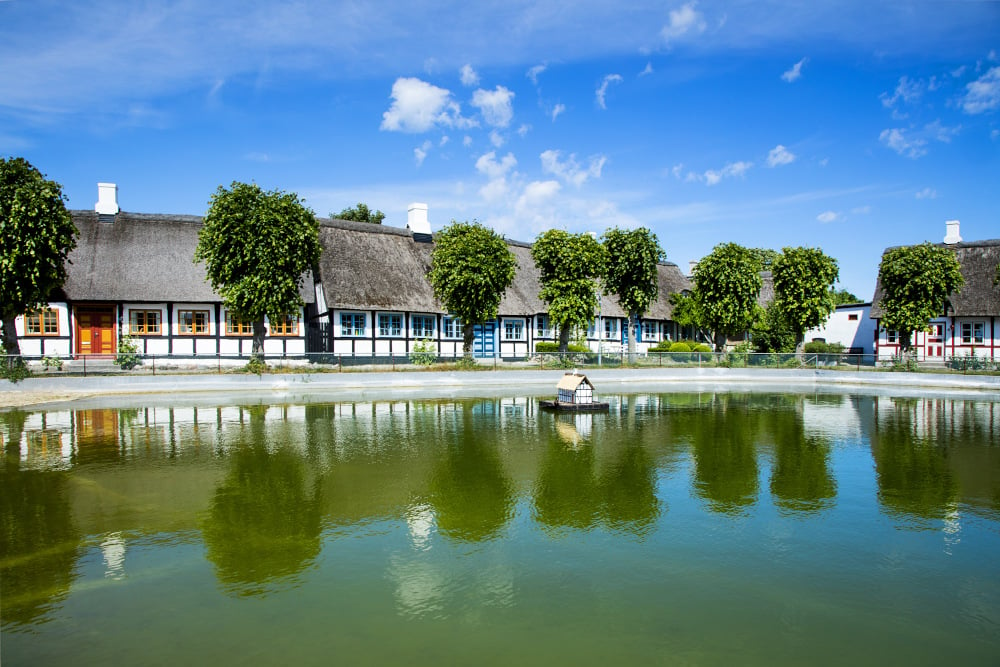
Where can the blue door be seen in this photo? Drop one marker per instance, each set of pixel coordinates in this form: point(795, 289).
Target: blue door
point(484, 341)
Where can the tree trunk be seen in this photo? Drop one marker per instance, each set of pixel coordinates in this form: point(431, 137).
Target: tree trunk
point(720, 342)
point(468, 335)
point(905, 342)
point(633, 327)
point(11, 346)
point(257, 351)
point(564, 332)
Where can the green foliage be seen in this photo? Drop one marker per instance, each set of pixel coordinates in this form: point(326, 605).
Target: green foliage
point(685, 310)
point(822, 347)
point(255, 365)
point(680, 346)
point(424, 352)
point(52, 362)
point(771, 333)
point(128, 353)
point(699, 347)
point(726, 285)
point(361, 213)
point(471, 268)
point(803, 281)
point(257, 247)
point(14, 368)
point(548, 347)
point(842, 297)
point(569, 265)
point(916, 282)
point(630, 273)
point(36, 236)
point(766, 256)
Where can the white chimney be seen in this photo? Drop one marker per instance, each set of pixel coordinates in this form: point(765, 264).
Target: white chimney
point(416, 219)
point(691, 266)
point(107, 199)
point(952, 235)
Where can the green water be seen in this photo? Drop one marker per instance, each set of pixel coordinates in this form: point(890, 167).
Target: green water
point(680, 529)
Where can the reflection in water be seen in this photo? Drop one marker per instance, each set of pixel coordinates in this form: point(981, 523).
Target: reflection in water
point(723, 440)
point(263, 525)
point(628, 489)
point(567, 494)
point(801, 480)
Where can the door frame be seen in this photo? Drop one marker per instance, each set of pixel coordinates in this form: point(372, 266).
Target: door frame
point(107, 308)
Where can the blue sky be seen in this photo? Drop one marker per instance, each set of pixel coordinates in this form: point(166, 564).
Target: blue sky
point(850, 126)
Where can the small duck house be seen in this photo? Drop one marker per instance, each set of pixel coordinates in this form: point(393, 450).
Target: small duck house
point(575, 389)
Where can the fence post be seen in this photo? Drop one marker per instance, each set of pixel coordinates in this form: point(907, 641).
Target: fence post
point(154, 365)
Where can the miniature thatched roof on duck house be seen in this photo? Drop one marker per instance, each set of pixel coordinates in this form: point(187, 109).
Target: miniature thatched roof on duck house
point(979, 296)
point(142, 258)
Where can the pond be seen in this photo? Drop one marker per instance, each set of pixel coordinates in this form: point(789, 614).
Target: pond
point(710, 528)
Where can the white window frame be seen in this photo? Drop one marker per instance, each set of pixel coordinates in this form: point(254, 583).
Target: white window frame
point(650, 330)
point(513, 329)
point(353, 331)
point(543, 327)
point(422, 331)
point(390, 325)
point(611, 331)
point(973, 333)
point(451, 327)
point(891, 336)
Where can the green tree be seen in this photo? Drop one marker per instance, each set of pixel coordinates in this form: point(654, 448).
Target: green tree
point(842, 297)
point(257, 246)
point(915, 283)
point(36, 237)
point(471, 268)
point(361, 213)
point(803, 282)
point(631, 274)
point(766, 256)
point(726, 286)
point(771, 332)
point(569, 265)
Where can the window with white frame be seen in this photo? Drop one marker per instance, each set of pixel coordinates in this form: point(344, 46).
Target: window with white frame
point(452, 327)
point(610, 328)
point(352, 324)
point(650, 330)
point(513, 329)
point(543, 328)
point(973, 333)
point(390, 325)
point(891, 336)
point(422, 326)
point(592, 330)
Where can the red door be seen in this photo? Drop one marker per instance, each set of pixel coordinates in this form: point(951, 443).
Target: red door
point(95, 331)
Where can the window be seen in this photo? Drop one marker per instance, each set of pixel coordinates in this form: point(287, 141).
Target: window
point(610, 328)
point(390, 325)
point(286, 325)
point(237, 327)
point(423, 326)
point(513, 329)
point(973, 333)
point(352, 324)
point(650, 330)
point(44, 322)
point(891, 336)
point(853, 317)
point(143, 322)
point(452, 327)
point(543, 328)
point(193, 322)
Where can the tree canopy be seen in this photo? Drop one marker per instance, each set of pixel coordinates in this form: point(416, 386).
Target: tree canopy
point(771, 332)
point(361, 213)
point(471, 268)
point(630, 273)
point(257, 247)
point(569, 265)
point(842, 297)
point(36, 237)
point(915, 282)
point(803, 284)
point(727, 283)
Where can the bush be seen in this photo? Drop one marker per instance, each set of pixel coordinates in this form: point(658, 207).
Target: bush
point(549, 347)
point(52, 362)
point(680, 346)
point(822, 347)
point(128, 353)
point(424, 353)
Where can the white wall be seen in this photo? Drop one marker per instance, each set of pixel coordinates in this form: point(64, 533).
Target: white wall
point(840, 328)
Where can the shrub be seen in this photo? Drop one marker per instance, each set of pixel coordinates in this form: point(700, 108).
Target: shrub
point(822, 347)
point(424, 353)
point(680, 346)
point(548, 347)
point(52, 362)
point(700, 347)
point(128, 353)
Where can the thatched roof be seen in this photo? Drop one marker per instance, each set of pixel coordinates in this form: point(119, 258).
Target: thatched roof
point(366, 267)
point(979, 296)
point(766, 295)
point(141, 257)
point(570, 381)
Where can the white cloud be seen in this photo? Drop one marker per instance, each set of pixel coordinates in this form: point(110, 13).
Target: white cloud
point(469, 76)
point(445, 139)
point(570, 170)
point(257, 157)
point(731, 170)
point(794, 73)
point(983, 94)
point(906, 90)
point(556, 110)
point(534, 72)
point(677, 170)
point(417, 106)
point(682, 21)
point(466, 141)
point(494, 190)
point(523, 130)
point(537, 193)
point(489, 165)
point(647, 70)
point(602, 90)
point(420, 153)
point(497, 139)
point(926, 193)
point(896, 140)
point(828, 216)
point(495, 105)
point(779, 155)
point(861, 210)
point(941, 132)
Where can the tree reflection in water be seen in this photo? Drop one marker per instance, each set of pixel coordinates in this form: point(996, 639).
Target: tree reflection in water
point(263, 526)
point(628, 491)
point(567, 494)
point(39, 543)
point(725, 456)
point(801, 480)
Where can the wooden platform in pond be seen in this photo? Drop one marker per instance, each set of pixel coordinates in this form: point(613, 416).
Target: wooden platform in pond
point(558, 406)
